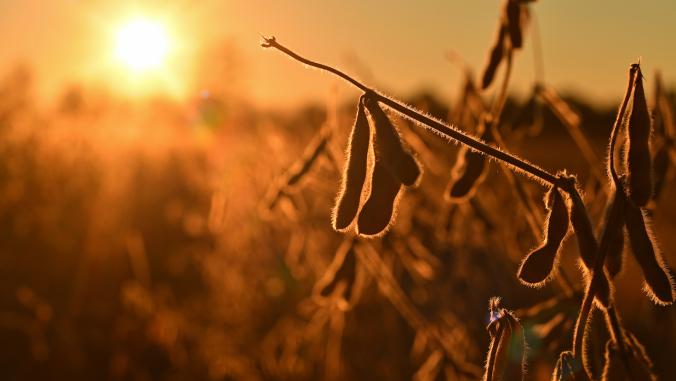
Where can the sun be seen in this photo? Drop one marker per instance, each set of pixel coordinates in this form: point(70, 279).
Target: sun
point(142, 44)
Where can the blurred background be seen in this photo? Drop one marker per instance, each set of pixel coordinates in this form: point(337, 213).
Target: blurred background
point(152, 226)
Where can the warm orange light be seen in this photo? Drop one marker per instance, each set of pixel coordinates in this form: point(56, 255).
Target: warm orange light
point(142, 45)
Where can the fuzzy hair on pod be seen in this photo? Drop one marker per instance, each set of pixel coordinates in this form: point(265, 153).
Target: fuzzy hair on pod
point(658, 280)
point(379, 209)
point(639, 162)
point(586, 242)
point(354, 175)
point(494, 58)
point(389, 146)
point(507, 340)
point(568, 368)
point(537, 267)
point(498, 351)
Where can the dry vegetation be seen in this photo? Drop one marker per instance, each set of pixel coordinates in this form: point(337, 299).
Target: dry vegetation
point(234, 245)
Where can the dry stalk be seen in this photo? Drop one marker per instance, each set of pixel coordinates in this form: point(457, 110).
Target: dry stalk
point(571, 120)
point(388, 285)
point(449, 132)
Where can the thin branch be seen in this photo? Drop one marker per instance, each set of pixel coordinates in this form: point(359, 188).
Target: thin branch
point(432, 124)
point(388, 285)
point(499, 105)
point(616, 332)
point(518, 189)
point(571, 121)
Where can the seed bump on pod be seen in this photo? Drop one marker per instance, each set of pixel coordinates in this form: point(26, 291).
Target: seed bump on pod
point(639, 162)
point(379, 209)
point(614, 224)
point(583, 231)
point(586, 241)
point(354, 175)
point(389, 147)
point(659, 283)
point(612, 233)
point(537, 267)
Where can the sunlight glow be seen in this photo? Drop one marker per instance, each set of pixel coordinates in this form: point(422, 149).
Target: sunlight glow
point(142, 44)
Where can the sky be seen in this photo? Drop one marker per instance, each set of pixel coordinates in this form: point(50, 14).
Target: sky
point(399, 46)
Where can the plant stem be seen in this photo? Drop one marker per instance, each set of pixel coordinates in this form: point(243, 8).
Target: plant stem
point(617, 195)
point(496, 113)
point(499, 105)
point(616, 331)
point(597, 273)
point(432, 124)
point(518, 188)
